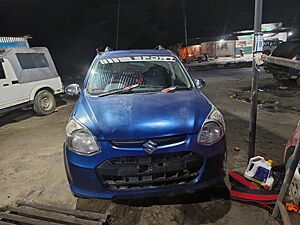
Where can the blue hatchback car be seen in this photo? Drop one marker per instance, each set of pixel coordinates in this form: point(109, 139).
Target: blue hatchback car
point(142, 127)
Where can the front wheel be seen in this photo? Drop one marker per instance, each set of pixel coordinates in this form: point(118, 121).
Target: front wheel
point(44, 103)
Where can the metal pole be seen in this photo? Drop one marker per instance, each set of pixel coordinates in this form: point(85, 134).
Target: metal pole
point(185, 27)
point(118, 24)
point(288, 178)
point(254, 87)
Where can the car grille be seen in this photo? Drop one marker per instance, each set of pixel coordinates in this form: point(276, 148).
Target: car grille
point(142, 172)
point(138, 143)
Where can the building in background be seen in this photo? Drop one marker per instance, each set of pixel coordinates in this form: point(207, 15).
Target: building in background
point(225, 48)
point(234, 45)
point(273, 34)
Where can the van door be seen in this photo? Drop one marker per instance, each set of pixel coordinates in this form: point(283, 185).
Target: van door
point(11, 92)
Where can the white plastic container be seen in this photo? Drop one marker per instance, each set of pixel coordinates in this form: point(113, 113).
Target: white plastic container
point(258, 171)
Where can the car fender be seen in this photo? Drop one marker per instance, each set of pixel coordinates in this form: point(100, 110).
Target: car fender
point(296, 135)
point(292, 141)
point(38, 87)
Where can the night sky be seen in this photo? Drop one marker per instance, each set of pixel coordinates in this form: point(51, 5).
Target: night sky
point(73, 29)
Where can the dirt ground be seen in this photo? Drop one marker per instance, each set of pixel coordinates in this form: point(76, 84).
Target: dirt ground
point(31, 159)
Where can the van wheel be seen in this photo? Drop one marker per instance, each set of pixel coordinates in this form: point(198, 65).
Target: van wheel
point(44, 103)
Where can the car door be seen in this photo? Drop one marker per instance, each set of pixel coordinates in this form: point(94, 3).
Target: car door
point(11, 92)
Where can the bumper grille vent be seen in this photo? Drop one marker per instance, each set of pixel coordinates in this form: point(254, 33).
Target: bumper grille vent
point(142, 172)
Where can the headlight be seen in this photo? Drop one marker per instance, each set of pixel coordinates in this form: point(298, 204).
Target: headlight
point(213, 128)
point(80, 139)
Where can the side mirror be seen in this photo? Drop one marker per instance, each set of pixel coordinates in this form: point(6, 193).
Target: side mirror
point(73, 90)
point(200, 83)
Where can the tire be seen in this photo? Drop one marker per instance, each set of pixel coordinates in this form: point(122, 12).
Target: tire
point(44, 103)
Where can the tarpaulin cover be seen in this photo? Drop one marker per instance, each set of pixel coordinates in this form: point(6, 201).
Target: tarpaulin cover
point(32, 74)
point(244, 191)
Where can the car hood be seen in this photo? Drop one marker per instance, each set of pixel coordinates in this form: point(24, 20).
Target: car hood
point(143, 115)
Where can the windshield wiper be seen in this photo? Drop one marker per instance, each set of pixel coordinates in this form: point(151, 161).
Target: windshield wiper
point(118, 91)
point(169, 89)
point(174, 88)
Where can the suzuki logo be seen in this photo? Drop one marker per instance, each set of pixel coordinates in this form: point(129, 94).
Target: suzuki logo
point(150, 146)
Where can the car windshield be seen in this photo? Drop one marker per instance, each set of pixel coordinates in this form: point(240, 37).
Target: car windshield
point(148, 73)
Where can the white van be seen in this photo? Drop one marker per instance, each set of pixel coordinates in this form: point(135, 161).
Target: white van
point(28, 77)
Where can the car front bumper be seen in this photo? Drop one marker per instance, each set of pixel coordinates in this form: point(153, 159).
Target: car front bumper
point(86, 180)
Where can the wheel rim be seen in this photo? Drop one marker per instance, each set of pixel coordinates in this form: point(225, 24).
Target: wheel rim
point(45, 103)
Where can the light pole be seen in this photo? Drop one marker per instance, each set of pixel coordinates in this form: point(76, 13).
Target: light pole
point(257, 48)
point(185, 27)
point(118, 24)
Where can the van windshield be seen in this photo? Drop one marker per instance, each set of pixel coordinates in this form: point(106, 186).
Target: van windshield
point(149, 73)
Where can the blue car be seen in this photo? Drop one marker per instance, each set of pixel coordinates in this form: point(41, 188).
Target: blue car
point(142, 128)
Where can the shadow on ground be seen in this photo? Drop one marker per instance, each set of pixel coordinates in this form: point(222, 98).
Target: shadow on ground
point(189, 207)
point(20, 114)
point(206, 195)
point(16, 116)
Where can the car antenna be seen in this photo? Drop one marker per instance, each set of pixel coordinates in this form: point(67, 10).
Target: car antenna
point(159, 47)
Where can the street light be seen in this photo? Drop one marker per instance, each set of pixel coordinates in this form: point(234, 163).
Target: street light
point(290, 33)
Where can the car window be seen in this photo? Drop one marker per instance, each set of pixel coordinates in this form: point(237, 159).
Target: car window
point(153, 75)
point(32, 60)
point(2, 74)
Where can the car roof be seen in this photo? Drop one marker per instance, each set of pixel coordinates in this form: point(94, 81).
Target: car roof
point(136, 52)
point(6, 51)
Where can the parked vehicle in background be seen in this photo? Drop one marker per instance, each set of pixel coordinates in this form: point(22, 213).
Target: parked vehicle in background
point(270, 46)
point(291, 144)
point(203, 58)
point(142, 127)
point(288, 50)
point(294, 189)
point(28, 77)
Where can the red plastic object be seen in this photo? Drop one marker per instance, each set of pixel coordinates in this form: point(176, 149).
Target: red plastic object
point(292, 207)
